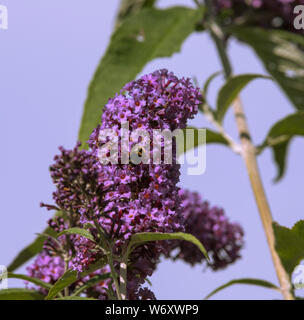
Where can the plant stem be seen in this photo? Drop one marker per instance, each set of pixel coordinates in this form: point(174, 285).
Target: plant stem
point(235, 147)
point(249, 155)
point(107, 248)
point(123, 279)
point(114, 275)
point(66, 267)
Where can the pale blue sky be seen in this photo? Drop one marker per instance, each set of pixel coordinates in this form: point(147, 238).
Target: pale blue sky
point(47, 58)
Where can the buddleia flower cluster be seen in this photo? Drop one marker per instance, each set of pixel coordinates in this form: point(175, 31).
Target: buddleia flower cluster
point(144, 197)
point(263, 13)
point(114, 201)
point(222, 239)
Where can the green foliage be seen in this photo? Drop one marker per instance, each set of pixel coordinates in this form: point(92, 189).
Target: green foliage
point(230, 90)
point(209, 81)
point(128, 7)
point(289, 244)
point(36, 281)
point(282, 55)
point(20, 294)
point(94, 280)
point(280, 136)
point(248, 281)
point(214, 137)
point(30, 251)
point(70, 276)
point(211, 137)
point(141, 37)
point(142, 237)
point(79, 231)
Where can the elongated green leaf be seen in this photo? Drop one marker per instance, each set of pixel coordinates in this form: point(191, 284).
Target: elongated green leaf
point(94, 280)
point(280, 136)
point(230, 90)
point(211, 137)
point(214, 137)
point(282, 55)
point(280, 152)
point(142, 237)
point(20, 294)
point(141, 37)
point(249, 281)
point(208, 82)
point(79, 231)
point(70, 277)
point(30, 251)
point(290, 126)
point(65, 280)
point(289, 244)
point(36, 281)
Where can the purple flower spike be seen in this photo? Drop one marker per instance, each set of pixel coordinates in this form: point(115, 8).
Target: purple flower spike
point(221, 238)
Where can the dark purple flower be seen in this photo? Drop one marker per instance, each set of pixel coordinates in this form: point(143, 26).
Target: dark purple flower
point(144, 294)
point(144, 197)
point(221, 238)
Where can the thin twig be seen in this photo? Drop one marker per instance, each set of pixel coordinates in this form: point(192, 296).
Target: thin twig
point(66, 268)
point(123, 279)
point(235, 147)
point(114, 275)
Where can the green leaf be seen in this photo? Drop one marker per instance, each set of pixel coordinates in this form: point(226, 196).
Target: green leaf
point(30, 251)
point(79, 231)
point(230, 90)
point(214, 137)
point(211, 137)
point(208, 82)
point(280, 157)
point(282, 55)
point(249, 281)
point(142, 37)
point(36, 281)
point(91, 282)
point(142, 237)
point(20, 294)
point(280, 136)
point(128, 7)
point(289, 244)
point(65, 280)
point(290, 126)
point(70, 276)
